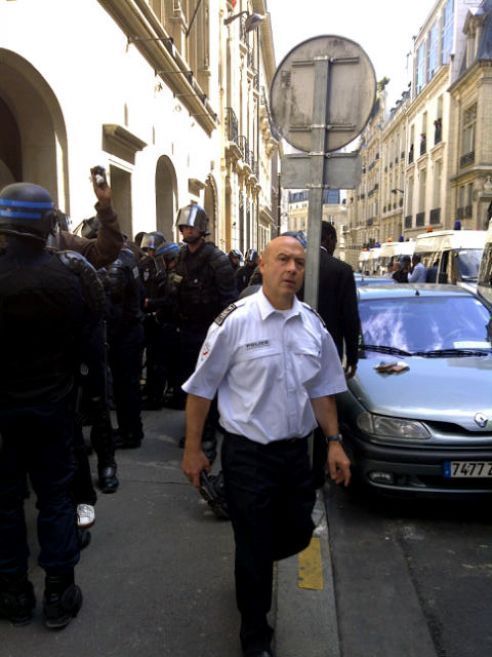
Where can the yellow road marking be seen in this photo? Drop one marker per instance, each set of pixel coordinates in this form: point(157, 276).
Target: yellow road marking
point(310, 567)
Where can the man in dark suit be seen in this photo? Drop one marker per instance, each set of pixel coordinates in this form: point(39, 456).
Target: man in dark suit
point(337, 300)
point(337, 305)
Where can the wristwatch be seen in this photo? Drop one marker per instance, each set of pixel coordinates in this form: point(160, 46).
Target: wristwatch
point(335, 438)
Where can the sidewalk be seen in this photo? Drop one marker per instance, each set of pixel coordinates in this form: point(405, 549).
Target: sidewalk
point(157, 577)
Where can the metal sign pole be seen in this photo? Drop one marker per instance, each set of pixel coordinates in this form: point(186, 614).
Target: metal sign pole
point(318, 165)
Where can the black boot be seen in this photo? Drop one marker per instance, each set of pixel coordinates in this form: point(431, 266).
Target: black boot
point(62, 601)
point(16, 599)
point(107, 479)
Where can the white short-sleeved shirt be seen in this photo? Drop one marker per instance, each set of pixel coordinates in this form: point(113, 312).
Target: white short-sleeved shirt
point(266, 365)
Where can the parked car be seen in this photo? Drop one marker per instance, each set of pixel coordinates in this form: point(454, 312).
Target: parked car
point(417, 418)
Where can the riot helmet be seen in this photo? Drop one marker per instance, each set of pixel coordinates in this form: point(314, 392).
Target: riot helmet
point(148, 242)
point(26, 210)
point(251, 257)
point(88, 228)
point(195, 216)
point(235, 253)
point(168, 251)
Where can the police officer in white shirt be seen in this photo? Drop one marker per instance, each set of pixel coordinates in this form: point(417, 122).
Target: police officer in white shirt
point(276, 371)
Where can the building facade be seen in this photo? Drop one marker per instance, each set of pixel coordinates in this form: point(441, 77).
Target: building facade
point(435, 163)
point(143, 88)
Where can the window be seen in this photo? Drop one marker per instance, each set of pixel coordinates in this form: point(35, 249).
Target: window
point(436, 190)
point(420, 69)
point(447, 31)
point(468, 136)
point(410, 196)
point(433, 51)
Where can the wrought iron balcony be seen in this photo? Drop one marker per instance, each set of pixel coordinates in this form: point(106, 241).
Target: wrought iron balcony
point(243, 145)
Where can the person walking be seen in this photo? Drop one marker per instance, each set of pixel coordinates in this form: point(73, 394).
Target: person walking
point(267, 337)
point(337, 305)
point(47, 312)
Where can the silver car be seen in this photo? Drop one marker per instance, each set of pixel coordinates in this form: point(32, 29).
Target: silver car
point(417, 417)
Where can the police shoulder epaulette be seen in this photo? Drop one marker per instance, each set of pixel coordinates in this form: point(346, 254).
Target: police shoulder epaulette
point(306, 305)
point(220, 319)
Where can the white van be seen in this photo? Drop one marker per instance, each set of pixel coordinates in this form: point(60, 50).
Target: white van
point(485, 274)
point(455, 254)
point(391, 251)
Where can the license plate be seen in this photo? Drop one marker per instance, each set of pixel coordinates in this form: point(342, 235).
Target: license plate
point(467, 469)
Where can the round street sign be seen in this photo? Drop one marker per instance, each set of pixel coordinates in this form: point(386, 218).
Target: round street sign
point(350, 94)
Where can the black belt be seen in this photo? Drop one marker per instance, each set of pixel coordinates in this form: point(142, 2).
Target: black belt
point(281, 442)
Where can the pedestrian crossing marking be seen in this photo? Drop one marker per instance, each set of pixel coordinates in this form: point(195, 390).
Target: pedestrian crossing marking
point(310, 567)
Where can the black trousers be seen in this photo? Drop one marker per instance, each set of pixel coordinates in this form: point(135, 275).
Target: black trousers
point(270, 498)
point(191, 340)
point(38, 441)
point(162, 357)
point(125, 359)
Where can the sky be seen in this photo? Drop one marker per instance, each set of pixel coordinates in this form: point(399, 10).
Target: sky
point(383, 28)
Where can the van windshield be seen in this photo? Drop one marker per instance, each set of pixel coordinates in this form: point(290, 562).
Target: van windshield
point(468, 261)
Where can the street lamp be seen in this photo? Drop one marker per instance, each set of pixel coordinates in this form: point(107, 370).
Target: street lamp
point(252, 20)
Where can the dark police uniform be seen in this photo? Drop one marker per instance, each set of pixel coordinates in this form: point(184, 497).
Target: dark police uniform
point(153, 280)
point(126, 343)
point(45, 316)
point(266, 366)
point(206, 288)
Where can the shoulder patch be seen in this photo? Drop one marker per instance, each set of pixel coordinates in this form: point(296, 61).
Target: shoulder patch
point(306, 305)
point(220, 319)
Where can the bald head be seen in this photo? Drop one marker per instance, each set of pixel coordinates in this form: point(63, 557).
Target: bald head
point(282, 265)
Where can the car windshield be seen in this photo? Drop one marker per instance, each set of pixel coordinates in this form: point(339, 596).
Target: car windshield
point(425, 323)
point(469, 263)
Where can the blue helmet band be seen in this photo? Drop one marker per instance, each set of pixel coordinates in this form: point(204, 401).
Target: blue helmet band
point(35, 205)
point(7, 209)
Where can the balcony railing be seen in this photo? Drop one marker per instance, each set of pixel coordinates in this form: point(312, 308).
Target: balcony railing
point(232, 126)
point(408, 221)
point(435, 216)
point(243, 145)
point(420, 219)
point(467, 159)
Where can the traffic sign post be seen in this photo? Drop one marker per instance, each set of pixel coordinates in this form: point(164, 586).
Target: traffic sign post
point(321, 99)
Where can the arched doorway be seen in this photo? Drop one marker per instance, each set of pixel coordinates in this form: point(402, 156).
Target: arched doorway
point(166, 195)
point(210, 207)
point(33, 140)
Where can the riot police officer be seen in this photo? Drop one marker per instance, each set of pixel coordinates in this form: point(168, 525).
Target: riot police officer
point(47, 311)
point(162, 356)
point(126, 344)
point(206, 288)
point(152, 276)
point(244, 273)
